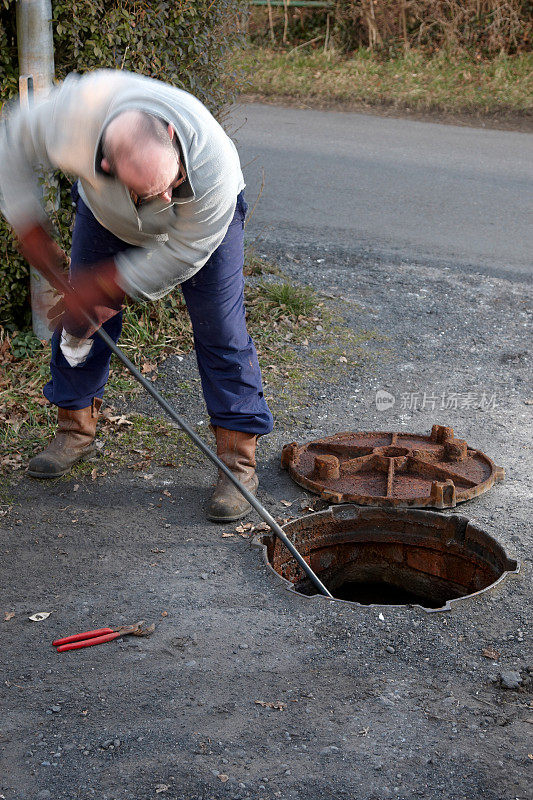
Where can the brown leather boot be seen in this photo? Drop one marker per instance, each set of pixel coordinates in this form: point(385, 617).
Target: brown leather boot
point(74, 441)
point(237, 450)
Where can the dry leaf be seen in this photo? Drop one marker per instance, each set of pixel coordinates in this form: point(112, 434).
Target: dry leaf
point(164, 613)
point(343, 360)
point(262, 526)
point(40, 615)
point(286, 502)
point(244, 526)
point(490, 652)
point(94, 474)
point(12, 461)
point(148, 476)
point(161, 787)
point(223, 778)
point(276, 704)
point(166, 493)
point(8, 615)
point(76, 487)
point(227, 535)
point(115, 419)
point(147, 367)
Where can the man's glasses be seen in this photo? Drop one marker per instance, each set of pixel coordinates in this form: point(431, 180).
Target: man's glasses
point(178, 180)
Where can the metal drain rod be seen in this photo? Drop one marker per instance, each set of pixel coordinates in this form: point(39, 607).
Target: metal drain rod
point(61, 284)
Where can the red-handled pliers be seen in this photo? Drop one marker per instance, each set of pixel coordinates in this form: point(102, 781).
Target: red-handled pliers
point(100, 636)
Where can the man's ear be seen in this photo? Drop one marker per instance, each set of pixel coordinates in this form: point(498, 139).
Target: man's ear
point(170, 130)
point(104, 163)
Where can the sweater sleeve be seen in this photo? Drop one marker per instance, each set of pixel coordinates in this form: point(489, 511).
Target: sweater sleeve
point(25, 135)
point(199, 228)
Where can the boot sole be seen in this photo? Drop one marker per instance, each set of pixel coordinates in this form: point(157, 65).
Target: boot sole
point(232, 518)
point(51, 475)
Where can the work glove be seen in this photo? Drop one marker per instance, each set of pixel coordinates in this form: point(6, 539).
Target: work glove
point(76, 351)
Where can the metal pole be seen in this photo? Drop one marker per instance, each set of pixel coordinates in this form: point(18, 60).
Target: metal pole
point(206, 450)
point(61, 284)
point(36, 68)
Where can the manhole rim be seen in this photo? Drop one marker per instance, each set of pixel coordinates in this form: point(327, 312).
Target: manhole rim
point(333, 510)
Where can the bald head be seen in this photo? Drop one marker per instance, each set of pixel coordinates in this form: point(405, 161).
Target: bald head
point(139, 150)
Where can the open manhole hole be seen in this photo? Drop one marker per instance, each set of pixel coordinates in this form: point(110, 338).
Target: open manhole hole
point(390, 556)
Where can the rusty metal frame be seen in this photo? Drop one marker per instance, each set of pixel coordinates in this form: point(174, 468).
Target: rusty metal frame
point(446, 468)
point(380, 525)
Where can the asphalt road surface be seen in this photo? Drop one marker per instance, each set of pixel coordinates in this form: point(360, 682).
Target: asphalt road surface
point(390, 188)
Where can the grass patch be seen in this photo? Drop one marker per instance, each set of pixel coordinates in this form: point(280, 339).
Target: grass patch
point(255, 265)
point(413, 81)
point(281, 299)
point(302, 342)
point(150, 333)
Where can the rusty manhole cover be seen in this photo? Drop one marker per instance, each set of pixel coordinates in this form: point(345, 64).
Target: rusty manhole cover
point(390, 556)
point(392, 469)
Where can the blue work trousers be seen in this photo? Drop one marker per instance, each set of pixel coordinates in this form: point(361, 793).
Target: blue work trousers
point(227, 359)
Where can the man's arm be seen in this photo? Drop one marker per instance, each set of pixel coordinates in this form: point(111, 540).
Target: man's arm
point(24, 156)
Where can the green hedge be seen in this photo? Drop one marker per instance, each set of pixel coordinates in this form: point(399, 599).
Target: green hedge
point(183, 42)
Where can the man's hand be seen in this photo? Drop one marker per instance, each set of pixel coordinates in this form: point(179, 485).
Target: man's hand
point(95, 292)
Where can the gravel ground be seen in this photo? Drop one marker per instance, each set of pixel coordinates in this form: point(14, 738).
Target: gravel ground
point(373, 708)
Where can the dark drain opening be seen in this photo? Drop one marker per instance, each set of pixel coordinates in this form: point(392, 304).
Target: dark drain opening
point(391, 556)
point(369, 593)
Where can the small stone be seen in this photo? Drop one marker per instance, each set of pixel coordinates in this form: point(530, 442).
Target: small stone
point(326, 751)
point(510, 679)
point(56, 709)
point(44, 794)
point(204, 576)
point(390, 649)
point(116, 742)
point(243, 646)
